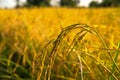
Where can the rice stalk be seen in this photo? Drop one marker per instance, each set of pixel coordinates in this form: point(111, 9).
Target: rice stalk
point(107, 69)
point(115, 59)
point(61, 36)
point(105, 45)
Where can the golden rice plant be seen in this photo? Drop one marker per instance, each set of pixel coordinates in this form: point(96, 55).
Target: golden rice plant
point(35, 44)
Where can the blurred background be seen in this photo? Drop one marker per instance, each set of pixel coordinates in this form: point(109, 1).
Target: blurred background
point(58, 3)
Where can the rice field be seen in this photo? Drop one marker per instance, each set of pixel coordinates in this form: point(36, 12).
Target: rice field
point(60, 44)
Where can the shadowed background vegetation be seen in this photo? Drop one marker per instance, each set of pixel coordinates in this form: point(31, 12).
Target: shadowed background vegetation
point(72, 3)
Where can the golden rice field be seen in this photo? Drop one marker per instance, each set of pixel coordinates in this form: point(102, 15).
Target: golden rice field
point(60, 44)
